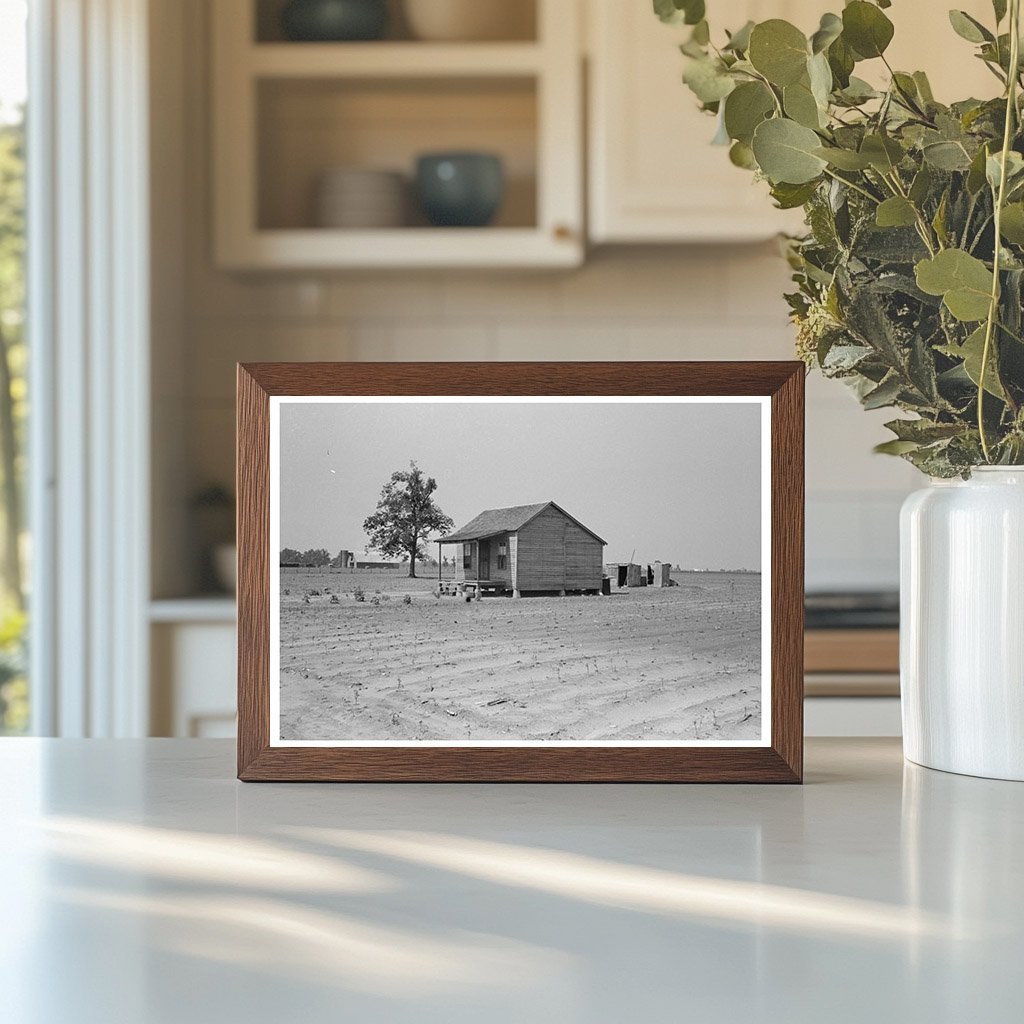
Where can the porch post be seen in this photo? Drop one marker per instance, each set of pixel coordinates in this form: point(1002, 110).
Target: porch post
point(438, 561)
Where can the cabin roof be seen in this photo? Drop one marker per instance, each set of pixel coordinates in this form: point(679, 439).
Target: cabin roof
point(493, 521)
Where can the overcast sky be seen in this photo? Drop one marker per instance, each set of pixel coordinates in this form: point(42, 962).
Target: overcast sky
point(676, 482)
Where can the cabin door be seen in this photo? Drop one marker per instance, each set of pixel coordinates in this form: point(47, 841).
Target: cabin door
point(485, 560)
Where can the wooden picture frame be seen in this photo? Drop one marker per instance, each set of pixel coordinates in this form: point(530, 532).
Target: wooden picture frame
point(779, 759)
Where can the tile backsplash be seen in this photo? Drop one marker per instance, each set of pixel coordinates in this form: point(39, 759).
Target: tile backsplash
point(721, 302)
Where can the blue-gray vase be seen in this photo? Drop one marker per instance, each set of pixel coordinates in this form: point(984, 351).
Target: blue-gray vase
point(332, 21)
point(461, 190)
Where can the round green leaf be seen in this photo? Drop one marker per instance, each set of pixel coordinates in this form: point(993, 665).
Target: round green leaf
point(743, 156)
point(972, 352)
point(820, 76)
point(801, 106)
point(789, 197)
point(882, 152)
point(747, 106)
point(866, 29)
point(947, 156)
point(841, 61)
point(963, 281)
point(968, 28)
point(844, 159)
point(708, 81)
point(829, 30)
point(778, 50)
point(1014, 169)
point(740, 39)
point(895, 212)
point(1012, 224)
point(674, 12)
point(785, 152)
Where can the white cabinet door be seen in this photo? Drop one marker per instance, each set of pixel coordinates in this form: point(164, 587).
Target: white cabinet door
point(193, 679)
point(653, 175)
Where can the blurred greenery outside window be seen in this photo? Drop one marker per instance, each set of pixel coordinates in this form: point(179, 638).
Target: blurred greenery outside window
point(14, 548)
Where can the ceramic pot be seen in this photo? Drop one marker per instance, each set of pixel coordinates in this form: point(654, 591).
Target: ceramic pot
point(334, 20)
point(361, 198)
point(962, 624)
point(460, 189)
point(470, 20)
point(225, 566)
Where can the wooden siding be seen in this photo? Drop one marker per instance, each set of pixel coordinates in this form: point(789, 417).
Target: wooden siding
point(553, 553)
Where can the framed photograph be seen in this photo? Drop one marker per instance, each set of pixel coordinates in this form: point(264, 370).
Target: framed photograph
point(529, 572)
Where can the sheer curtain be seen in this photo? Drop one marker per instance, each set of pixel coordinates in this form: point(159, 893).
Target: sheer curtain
point(88, 301)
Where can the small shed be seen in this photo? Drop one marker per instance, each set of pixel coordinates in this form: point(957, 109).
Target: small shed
point(663, 574)
point(626, 574)
point(528, 549)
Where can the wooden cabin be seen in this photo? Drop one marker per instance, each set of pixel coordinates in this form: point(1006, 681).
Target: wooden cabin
point(528, 549)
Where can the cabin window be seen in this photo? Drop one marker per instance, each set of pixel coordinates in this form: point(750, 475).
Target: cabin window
point(502, 555)
point(467, 556)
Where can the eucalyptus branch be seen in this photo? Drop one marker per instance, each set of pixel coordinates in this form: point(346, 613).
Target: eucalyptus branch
point(923, 227)
point(850, 184)
point(875, 302)
point(981, 231)
point(969, 218)
point(1000, 199)
point(771, 89)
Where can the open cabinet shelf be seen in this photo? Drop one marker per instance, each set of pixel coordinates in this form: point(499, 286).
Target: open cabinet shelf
point(394, 60)
point(286, 114)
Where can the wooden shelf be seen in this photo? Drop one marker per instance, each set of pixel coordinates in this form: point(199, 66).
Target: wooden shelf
point(207, 608)
point(401, 247)
point(852, 650)
point(393, 60)
point(851, 684)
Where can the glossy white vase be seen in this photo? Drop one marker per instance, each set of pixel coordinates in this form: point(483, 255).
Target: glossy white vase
point(962, 624)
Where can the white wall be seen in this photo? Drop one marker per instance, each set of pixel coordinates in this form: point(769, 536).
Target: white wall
point(655, 303)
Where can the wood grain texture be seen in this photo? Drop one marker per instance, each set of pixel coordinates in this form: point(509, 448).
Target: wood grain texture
point(553, 553)
point(252, 487)
point(787, 546)
point(782, 762)
point(852, 650)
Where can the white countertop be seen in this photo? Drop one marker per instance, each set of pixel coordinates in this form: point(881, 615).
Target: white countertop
point(143, 885)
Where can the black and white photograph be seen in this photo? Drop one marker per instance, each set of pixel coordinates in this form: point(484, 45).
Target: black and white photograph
point(519, 571)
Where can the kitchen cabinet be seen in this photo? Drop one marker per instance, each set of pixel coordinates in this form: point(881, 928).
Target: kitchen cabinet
point(192, 647)
point(286, 113)
point(653, 175)
point(852, 682)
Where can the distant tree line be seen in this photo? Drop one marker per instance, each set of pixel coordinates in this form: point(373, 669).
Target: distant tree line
point(314, 557)
point(320, 558)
